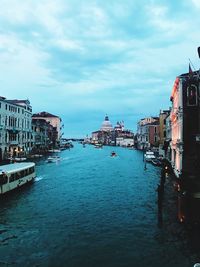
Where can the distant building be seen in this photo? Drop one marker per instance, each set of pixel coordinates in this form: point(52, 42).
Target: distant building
point(154, 133)
point(15, 127)
point(147, 132)
point(119, 126)
point(125, 142)
point(95, 137)
point(162, 124)
point(108, 135)
point(44, 135)
point(106, 125)
point(54, 120)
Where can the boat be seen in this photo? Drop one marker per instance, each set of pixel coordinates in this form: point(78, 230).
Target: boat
point(149, 156)
point(156, 162)
point(16, 159)
point(54, 150)
point(53, 159)
point(113, 154)
point(19, 159)
point(35, 156)
point(98, 145)
point(16, 175)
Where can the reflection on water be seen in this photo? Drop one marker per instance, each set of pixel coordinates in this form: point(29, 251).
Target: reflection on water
point(90, 209)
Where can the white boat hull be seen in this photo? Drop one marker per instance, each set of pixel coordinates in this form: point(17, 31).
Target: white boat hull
point(13, 176)
point(16, 184)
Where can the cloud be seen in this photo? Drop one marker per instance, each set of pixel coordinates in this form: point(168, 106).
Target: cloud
point(196, 3)
point(162, 20)
point(94, 56)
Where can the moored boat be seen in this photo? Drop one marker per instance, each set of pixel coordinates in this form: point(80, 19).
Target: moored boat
point(156, 162)
point(149, 156)
point(19, 159)
point(15, 175)
point(54, 150)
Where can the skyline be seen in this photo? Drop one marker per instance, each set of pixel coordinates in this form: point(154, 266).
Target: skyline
point(81, 61)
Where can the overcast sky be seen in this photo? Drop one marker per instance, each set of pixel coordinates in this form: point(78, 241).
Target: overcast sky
point(82, 59)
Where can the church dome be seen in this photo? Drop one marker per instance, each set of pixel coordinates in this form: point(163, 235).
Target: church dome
point(106, 125)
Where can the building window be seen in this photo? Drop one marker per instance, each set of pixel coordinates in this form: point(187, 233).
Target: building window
point(192, 95)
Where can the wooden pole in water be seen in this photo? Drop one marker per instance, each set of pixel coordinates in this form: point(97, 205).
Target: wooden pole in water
point(145, 164)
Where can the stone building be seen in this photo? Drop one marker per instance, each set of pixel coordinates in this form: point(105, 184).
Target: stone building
point(163, 131)
point(54, 120)
point(15, 127)
point(106, 125)
point(108, 135)
point(147, 132)
point(185, 143)
point(44, 135)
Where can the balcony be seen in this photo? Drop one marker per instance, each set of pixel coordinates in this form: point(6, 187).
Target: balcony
point(12, 129)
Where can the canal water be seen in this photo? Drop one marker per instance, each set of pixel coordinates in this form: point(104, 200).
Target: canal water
point(90, 210)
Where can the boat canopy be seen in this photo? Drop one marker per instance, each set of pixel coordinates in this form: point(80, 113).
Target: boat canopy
point(15, 167)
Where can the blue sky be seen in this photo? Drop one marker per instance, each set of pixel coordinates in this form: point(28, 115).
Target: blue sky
point(84, 59)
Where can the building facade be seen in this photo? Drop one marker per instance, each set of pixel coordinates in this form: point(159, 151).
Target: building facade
point(44, 135)
point(54, 120)
point(106, 125)
point(15, 128)
point(147, 133)
point(185, 143)
point(108, 135)
point(167, 142)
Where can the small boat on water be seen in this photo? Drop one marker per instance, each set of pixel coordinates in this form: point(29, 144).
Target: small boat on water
point(53, 159)
point(113, 154)
point(149, 156)
point(16, 175)
point(98, 145)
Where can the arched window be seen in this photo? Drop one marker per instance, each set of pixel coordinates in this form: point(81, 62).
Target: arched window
point(192, 95)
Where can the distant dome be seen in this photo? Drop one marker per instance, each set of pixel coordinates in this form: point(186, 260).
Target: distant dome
point(106, 125)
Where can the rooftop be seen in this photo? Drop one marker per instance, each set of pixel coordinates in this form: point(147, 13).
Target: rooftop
point(44, 114)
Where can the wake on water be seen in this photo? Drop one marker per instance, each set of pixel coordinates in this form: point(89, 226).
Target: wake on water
point(65, 158)
point(38, 178)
